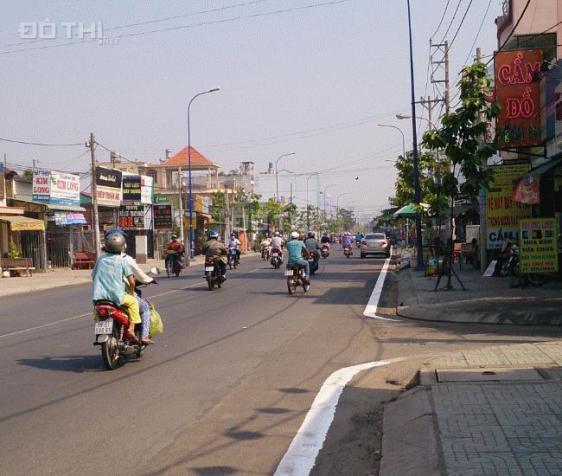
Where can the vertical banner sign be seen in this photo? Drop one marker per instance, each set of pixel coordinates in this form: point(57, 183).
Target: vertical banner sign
point(518, 92)
point(108, 184)
point(538, 251)
point(162, 217)
point(146, 189)
point(131, 189)
point(502, 213)
point(41, 191)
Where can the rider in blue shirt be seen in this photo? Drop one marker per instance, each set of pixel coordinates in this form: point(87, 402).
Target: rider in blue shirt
point(296, 251)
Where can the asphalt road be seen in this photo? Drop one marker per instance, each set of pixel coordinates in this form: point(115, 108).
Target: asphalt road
point(224, 390)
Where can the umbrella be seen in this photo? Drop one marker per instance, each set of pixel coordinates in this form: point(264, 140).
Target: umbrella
point(409, 211)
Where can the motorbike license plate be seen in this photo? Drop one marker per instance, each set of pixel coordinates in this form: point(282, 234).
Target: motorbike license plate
point(209, 268)
point(275, 255)
point(104, 327)
point(288, 273)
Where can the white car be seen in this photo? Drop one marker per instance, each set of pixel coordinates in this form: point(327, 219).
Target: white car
point(375, 244)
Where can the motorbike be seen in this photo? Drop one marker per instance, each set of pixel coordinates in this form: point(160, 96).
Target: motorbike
point(276, 258)
point(173, 263)
point(312, 259)
point(233, 260)
point(213, 273)
point(325, 250)
point(295, 278)
point(110, 329)
point(265, 253)
point(347, 251)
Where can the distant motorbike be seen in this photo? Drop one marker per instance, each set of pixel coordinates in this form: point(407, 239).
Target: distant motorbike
point(312, 262)
point(265, 253)
point(213, 273)
point(276, 258)
point(110, 329)
point(233, 259)
point(295, 278)
point(347, 251)
point(325, 250)
point(174, 263)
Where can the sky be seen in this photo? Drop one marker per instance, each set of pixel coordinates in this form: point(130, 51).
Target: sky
point(309, 77)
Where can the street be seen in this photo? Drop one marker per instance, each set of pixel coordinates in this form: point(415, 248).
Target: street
point(223, 391)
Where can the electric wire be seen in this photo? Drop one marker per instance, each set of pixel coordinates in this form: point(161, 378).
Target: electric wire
point(452, 21)
point(478, 32)
point(440, 21)
point(40, 144)
point(461, 23)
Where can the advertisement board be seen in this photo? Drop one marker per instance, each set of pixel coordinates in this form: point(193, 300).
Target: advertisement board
point(56, 188)
point(134, 217)
point(131, 189)
point(538, 248)
point(147, 189)
point(108, 186)
point(502, 213)
point(163, 219)
point(518, 92)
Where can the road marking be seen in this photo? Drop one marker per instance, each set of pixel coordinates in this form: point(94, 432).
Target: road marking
point(371, 308)
point(307, 443)
point(72, 318)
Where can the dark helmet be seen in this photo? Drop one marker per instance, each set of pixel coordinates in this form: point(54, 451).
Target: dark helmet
point(174, 237)
point(213, 234)
point(311, 234)
point(115, 242)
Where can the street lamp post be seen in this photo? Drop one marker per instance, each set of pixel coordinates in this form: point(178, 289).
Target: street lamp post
point(277, 174)
point(403, 136)
point(191, 243)
point(408, 116)
point(307, 204)
point(419, 245)
point(325, 214)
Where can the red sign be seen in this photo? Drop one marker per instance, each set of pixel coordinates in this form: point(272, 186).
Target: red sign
point(518, 93)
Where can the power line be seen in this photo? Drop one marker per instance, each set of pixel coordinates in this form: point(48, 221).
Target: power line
point(478, 32)
point(185, 27)
point(461, 23)
point(452, 20)
point(440, 21)
point(40, 144)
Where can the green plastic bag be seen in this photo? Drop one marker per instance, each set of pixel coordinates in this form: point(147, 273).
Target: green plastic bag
point(156, 325)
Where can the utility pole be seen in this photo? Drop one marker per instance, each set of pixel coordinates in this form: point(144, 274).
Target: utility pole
point(483, 239)
point(97, 240)
point(180, 206)
point(439, 60)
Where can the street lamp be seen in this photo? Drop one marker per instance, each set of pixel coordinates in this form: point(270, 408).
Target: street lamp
point(307, 204)
point(407, 116)
point(403, 136)
point(419, 245)
point(277, 174)
point(191, 243)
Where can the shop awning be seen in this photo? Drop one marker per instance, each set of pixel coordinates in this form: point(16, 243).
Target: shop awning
point(542, 169)
point(52, 206)
point(19, 223)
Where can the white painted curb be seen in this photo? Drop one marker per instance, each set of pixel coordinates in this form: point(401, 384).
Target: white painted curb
point(307, 443)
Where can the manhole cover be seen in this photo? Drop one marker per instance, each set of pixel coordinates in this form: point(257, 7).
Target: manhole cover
point(488, 375)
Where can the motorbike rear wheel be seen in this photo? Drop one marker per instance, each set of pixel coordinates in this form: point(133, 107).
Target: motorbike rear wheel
point(110, 351)
point(291, 285)
point(210, 283)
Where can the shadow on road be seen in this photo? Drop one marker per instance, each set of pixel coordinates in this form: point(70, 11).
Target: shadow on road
point(69, 363)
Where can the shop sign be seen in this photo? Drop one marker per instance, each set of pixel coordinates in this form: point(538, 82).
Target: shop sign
point(131, 189)
point(147, 188)
point(502, 213)
point(2, 182)
point(161, 198)
point(538, 250)
point(134, 217)
point(67, 218)
point(518, 92)
point(162, 217)
point(56, 188)
point(108, 186)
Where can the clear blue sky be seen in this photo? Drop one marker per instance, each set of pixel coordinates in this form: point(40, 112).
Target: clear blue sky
point(314, 81)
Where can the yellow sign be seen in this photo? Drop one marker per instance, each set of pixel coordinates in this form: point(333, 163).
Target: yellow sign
point(19, 223)
point(538, 250)
point(502, 213)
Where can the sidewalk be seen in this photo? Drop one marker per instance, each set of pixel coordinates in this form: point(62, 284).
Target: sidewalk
point(486, 300)
point(492, 411)
point(60, 277)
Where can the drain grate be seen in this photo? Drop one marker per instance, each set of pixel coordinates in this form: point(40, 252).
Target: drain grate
point(488, 375)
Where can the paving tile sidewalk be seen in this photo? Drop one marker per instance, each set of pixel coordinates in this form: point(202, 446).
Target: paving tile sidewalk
point(492, 412)
point(486, 300)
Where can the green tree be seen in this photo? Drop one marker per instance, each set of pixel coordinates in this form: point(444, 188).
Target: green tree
point(272, 212)
point(218, 209)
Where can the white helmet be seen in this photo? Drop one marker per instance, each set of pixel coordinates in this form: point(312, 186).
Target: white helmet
point(295, 235)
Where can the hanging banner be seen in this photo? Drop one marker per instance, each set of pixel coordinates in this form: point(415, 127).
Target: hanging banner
point(162, 217)
point(528, 191)
point(41, 191)
point(538, 250)
point(502, 213)
point(518, 92)
point(108, 186)
point(147, 189)
point(56, 188)
point(131, 189)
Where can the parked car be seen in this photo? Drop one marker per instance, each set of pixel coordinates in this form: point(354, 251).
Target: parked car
point(375, 244)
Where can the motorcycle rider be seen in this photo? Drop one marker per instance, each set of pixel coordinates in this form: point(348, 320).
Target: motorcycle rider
point(325, 239)
point(216, 250)
point(296, 251)
point(347, 241)
point(174, 250)
point(312, 245)
point(264, 245)
point(234, 243)
point(277, 241)
point(110, 275)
